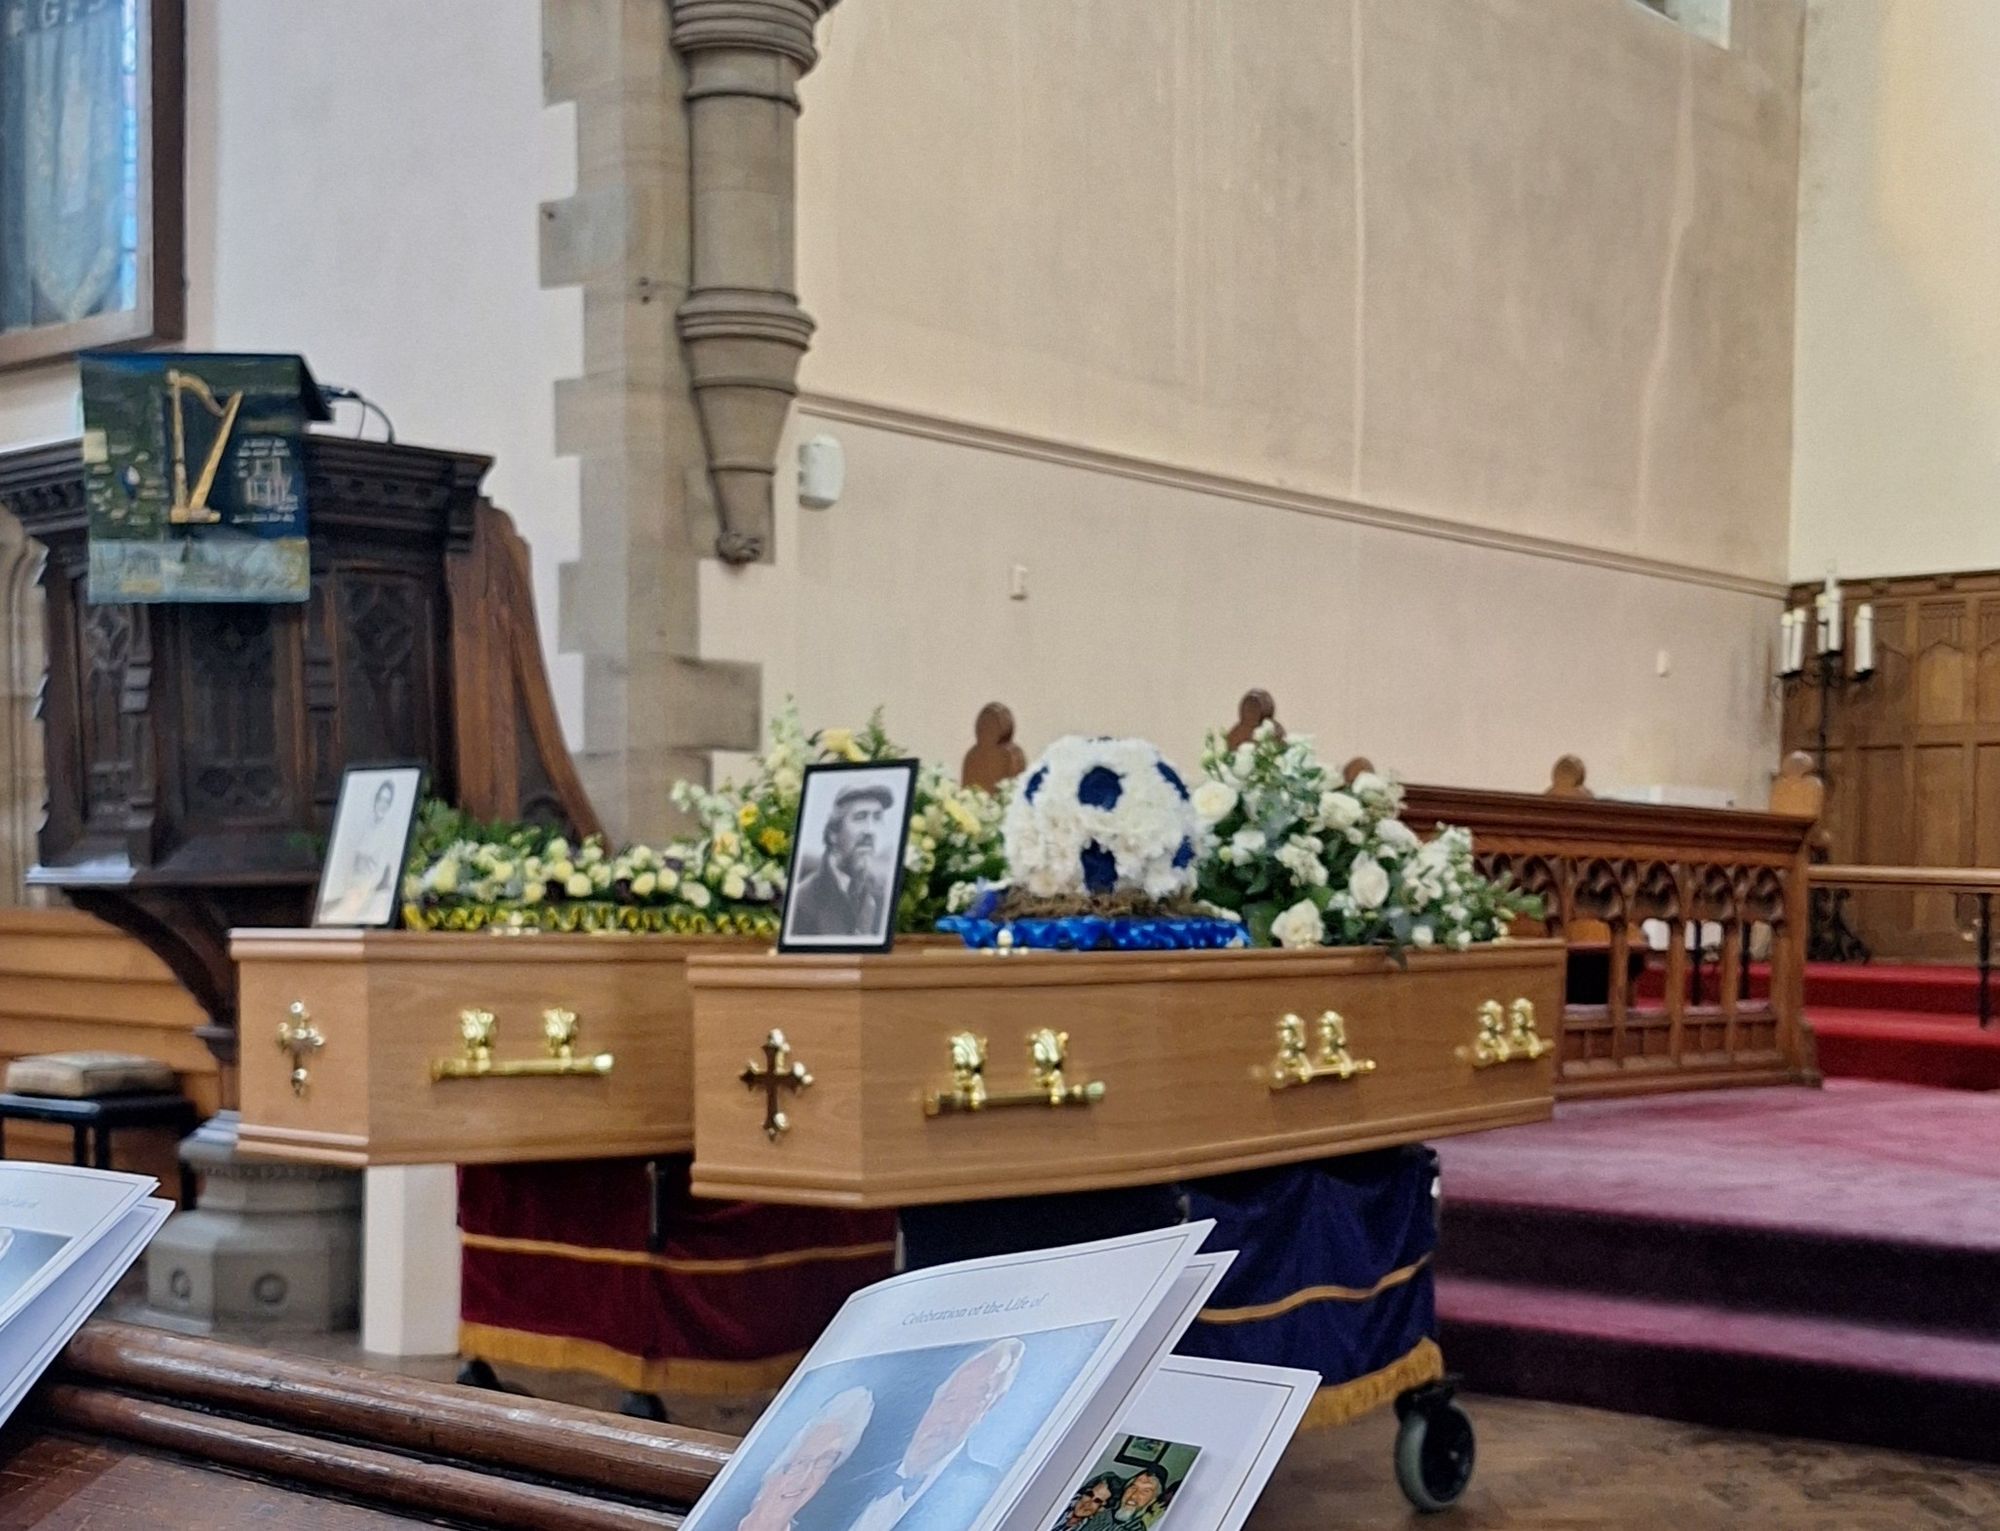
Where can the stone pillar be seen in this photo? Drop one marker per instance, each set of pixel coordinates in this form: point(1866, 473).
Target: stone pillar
point(653, 707)
point(741, 321)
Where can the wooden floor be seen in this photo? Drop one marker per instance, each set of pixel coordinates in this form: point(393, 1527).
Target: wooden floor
point(1542, 1467)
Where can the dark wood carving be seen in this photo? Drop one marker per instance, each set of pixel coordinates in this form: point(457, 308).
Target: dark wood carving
point(139, 1427)
point(994, 757)
point(1255, 710)
point(194, 752)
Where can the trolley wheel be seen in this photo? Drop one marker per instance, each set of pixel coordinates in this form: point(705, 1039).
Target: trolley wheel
point(1435, 1447)
point(477, 1373)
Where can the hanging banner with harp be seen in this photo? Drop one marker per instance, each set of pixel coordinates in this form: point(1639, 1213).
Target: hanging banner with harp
point(195, 476)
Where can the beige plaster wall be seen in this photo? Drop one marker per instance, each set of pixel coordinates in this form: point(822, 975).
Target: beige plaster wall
point(1152, 607)
point(1427, 362)
point(1897, 467)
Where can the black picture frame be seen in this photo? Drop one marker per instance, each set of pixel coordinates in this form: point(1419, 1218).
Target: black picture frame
point(832, 778)
point(348, 805)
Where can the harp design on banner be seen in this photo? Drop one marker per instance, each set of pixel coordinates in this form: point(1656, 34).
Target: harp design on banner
point(188, 509)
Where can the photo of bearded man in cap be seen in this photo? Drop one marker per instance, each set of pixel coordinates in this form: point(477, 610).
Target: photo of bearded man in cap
point(849, 892)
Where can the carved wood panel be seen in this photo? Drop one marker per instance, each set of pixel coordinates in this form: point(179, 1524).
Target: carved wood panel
point(1913, 761)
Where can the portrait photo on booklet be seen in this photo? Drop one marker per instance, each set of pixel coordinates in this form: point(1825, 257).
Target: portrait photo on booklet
point(1130, 1486)
point(360, 883)
point(847, 857)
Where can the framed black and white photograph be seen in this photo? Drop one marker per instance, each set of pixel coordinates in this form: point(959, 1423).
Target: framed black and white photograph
point(91, 205)
point(361, 883)
point(847, 857)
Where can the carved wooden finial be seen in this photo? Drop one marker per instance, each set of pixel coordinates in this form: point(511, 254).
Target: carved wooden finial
point(994, 756)
point(1355, 767)
point(1567, 777)
point(1256, 709)
point(1797, 789)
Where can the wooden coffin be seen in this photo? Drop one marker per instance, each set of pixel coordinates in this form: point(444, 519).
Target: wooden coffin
point(851, 1081)
point(377, 1023)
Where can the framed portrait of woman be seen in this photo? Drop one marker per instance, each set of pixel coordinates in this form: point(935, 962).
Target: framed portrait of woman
point(91, 121)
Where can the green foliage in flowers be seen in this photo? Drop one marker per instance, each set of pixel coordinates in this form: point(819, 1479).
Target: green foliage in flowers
point(1307, 859)
point(954, 831)
point(727, 876)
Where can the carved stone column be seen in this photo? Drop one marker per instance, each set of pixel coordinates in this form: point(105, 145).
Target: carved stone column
point(741, 322)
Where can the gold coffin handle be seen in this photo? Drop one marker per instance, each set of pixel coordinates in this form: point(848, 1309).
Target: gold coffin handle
point(477, 1030)
point(1296, 1065)
point(298, 1037)
point(1048, 1058)
point(1507, 1034)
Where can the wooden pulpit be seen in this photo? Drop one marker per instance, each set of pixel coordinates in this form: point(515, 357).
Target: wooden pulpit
point(194, 752)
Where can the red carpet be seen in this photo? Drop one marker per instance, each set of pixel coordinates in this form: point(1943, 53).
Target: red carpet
point(1904, 1023)
point(1816, 1263)
point(1913, 1024)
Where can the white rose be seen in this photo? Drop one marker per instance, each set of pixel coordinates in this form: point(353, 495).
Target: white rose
point(733, 885)
point(1394, 832)
point(1303, 863)
point(644, 884)
point(1213, 800)
point(1245, 846)
point(1299, 926)
point(577, 885)
point(1339, 809)
point(1368, 882)
point(1422, 935)
point(697, 896)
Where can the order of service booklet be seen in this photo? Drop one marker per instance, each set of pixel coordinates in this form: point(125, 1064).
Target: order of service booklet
point(986, 1396)
point(66, 1236)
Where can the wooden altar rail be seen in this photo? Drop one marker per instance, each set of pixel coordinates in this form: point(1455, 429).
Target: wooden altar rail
point(1725, 888)
point(1979, 883)
point(71, 983)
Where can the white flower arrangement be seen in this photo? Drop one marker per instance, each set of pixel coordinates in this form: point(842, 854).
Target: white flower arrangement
point(1097, 817)
point(1308, 860)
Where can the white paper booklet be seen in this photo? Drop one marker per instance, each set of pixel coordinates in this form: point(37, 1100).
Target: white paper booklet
point(1193, 1453)
point(51, 1215)
point(966, 1397)
point(32, 1339)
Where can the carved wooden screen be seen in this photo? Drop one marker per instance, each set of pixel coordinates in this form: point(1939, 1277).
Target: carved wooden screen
point(1913, 759)
point(21, 788)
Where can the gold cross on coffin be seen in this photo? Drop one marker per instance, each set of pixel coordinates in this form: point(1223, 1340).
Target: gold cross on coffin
point(778, 1073)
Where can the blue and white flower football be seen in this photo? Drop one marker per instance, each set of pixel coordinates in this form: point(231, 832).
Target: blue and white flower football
point(1094, 817)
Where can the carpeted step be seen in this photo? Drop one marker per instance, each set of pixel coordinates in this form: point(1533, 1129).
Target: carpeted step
point(1943, 989)
point(1903, 1389)
point(1828, 1273)
point(1909, 1047)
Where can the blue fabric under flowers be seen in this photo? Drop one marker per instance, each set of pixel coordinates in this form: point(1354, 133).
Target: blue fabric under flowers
point(1094, 932)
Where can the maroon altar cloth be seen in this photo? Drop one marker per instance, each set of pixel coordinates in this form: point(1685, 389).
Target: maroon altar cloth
point(610, 1266)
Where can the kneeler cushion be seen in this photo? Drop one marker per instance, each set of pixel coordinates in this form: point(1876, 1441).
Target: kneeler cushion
point(558, 1274)
point(1333, 1273)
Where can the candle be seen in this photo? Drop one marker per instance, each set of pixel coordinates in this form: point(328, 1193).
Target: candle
point(1788, 632)
point(1795, 653)
point(1835, 628)
point(1864, 638)
point(1820, 644)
